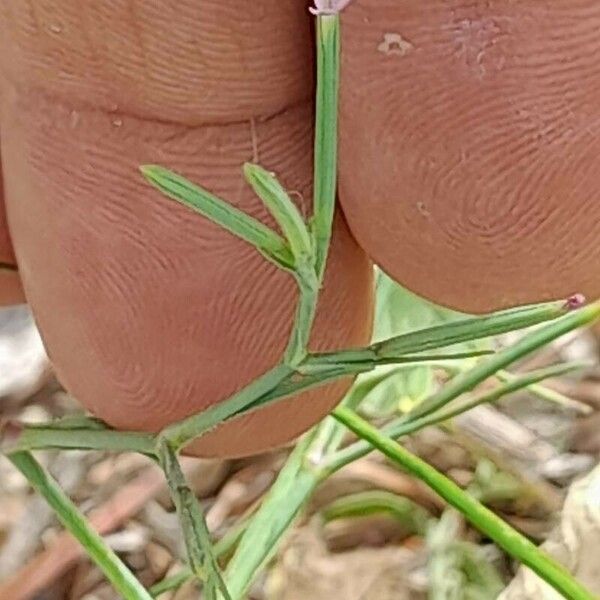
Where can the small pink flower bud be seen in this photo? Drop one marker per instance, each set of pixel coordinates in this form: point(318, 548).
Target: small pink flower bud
point(329, 7)
point(576, 301)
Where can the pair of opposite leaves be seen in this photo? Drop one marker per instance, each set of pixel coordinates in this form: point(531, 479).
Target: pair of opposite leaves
point(468, 171)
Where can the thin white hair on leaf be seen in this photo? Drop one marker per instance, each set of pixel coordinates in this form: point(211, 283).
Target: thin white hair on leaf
point(328, 7)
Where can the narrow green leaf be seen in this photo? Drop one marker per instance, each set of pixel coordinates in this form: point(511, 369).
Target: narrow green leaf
point(221, 549)
point(77, 433)
point(454, 409)
point(467, 380)
point(472, 328)
point(265, 240)
point(326, 133)
point(284, 211)
point(448, 334)
point(281, 505)
point(41, 438)
point(107, 561)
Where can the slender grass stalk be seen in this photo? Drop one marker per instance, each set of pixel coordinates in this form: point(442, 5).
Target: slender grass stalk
point(181, 433)
point(550, 395)
point(400, 427)
point(89, 434)
point(283, 381)
point(468, 380)
point(171, 583)
point(306, 308)
point(326, 135)
point(486, 368)
point(286, 498)
point(267, 386)
point(481, 517)
point(202, 561)
point(220, 549)
point(105, 559)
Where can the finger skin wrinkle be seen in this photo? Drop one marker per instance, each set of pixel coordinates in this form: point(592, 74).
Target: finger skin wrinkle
point(486, 132)
point(139, 300)
point(149, 312)
point(192, 61)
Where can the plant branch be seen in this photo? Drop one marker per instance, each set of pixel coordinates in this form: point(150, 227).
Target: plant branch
point(400, 427)
point(183, 432)
point(220, 549)
point(550, 395)
point(481, 517)
point(284, 381)
point(486, 368)
point(308, 289)
point(286, 498)
point(466, 381)
point(201, 559)
point(107, 561)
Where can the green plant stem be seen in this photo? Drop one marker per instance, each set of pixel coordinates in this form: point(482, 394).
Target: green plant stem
point(107, 561)
point(173, 582)
point(180, 434)
point(220, 549)
point(326, 133)
point(286, 498)
point(89, 434)
point(289, 493)
point(466, 381)
point(201, 559)
point(364, 366)
point(550, 395)
point(325, 182)
point(482, 518)
point(283, 381)
point(308, 288)
point(399, 427)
